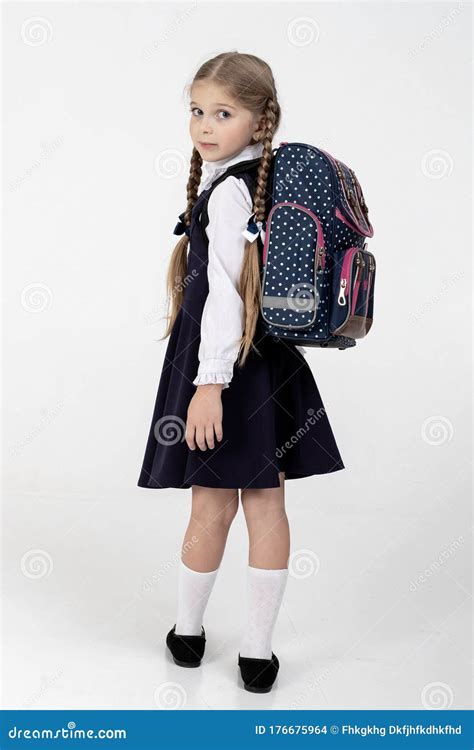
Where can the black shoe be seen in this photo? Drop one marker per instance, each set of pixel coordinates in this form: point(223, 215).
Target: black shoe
point(258, 674)
point(187, 650)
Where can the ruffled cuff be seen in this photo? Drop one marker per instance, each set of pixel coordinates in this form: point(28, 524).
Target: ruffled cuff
point(214, 371)
point(212, 377)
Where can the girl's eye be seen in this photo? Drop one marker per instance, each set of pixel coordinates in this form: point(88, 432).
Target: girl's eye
point(222, 111)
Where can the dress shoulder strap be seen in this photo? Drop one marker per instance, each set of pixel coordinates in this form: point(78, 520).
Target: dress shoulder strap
point(247, 168)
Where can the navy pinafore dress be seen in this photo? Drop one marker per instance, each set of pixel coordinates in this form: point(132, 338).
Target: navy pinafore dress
point(273, 415)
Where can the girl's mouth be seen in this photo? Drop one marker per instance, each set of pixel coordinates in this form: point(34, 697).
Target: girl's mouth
point(207, 145)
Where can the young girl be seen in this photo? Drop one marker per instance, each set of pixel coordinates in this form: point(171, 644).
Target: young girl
point(235, 409)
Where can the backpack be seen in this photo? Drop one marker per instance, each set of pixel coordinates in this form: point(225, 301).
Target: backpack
point(317, 274)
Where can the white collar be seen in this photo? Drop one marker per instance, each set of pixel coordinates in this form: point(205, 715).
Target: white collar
point(211, 170)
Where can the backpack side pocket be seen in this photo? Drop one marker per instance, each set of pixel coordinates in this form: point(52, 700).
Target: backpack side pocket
point(353, 293)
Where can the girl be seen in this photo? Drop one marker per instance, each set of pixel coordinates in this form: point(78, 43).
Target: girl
point(234, 408)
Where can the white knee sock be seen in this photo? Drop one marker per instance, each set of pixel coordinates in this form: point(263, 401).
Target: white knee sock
point(265, 589)
point(194, 589)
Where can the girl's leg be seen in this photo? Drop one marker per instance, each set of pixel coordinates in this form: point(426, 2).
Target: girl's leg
point(212, 513)
point(268, 527)
point(267, 571)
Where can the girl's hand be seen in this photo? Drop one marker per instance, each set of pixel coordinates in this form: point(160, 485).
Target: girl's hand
point(204, 416)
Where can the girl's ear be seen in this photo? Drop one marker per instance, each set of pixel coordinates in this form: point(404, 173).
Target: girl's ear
point(257, 136)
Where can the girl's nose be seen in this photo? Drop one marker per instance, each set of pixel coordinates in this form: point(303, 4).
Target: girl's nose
point(206, 127)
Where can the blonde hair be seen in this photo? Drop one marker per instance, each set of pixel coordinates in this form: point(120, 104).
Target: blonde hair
point(249, 80)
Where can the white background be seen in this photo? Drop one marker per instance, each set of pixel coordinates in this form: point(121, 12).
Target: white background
point(92, 102)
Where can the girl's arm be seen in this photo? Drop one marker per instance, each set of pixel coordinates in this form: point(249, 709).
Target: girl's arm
point(222, 318)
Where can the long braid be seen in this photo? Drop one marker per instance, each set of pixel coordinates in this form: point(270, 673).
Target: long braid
point(265, 161)
point(194, 180)
point(178, 264)
point(250, 284)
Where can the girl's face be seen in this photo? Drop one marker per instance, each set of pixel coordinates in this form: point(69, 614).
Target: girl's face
point(217, 119)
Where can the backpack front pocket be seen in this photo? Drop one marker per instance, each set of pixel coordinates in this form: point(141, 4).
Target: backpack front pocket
point(353, 293)
point(294, 259)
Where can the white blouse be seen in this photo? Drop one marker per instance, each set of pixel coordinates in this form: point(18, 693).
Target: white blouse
point(222, 323)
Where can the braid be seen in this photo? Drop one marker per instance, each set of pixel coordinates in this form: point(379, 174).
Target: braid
point(265, 161)
point(250, 283)
point(194, 179)
point(178, 266)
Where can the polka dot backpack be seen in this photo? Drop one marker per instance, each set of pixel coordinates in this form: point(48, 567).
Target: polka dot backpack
point(317, 274)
